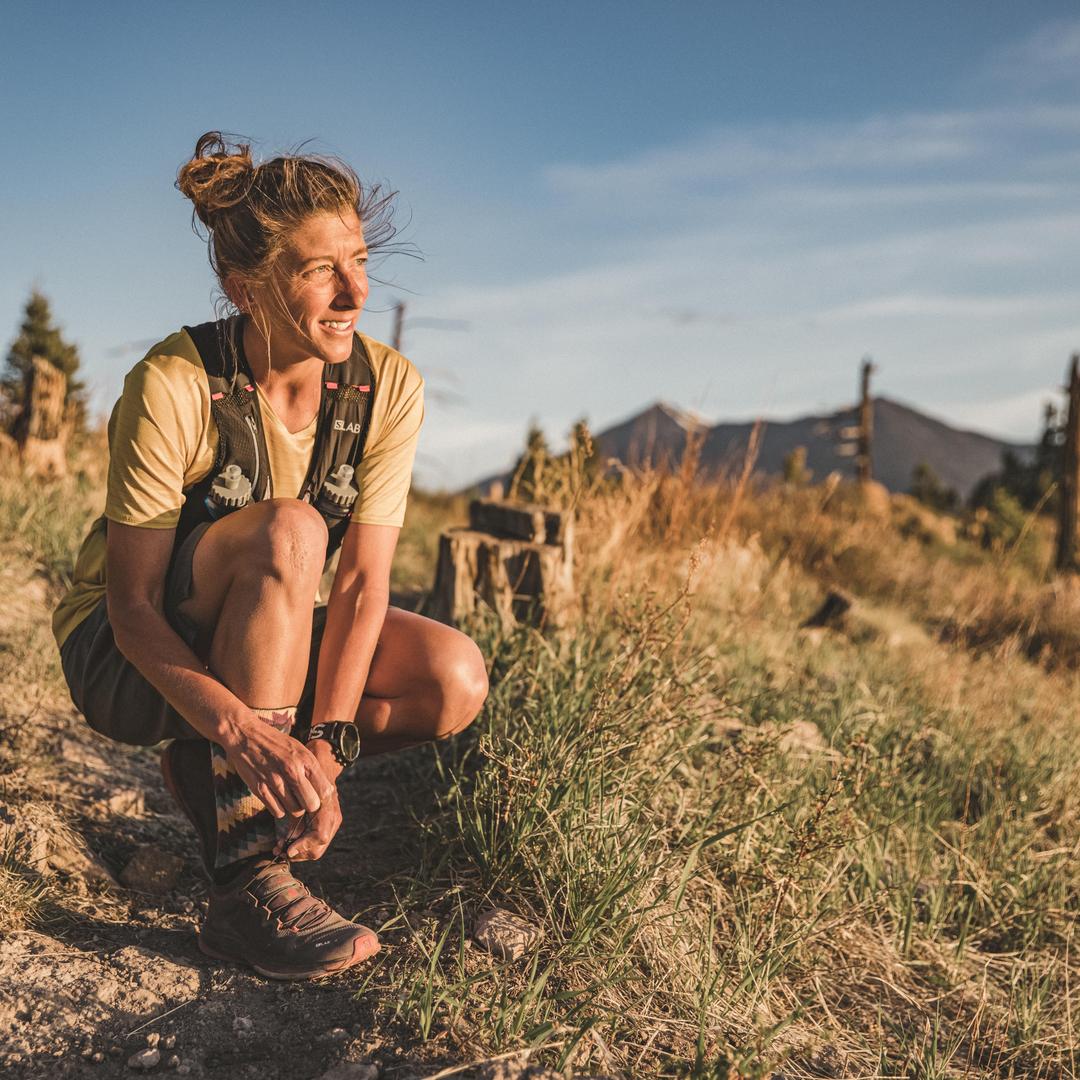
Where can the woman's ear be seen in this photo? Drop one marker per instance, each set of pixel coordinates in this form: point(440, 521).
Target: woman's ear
point(239, 293)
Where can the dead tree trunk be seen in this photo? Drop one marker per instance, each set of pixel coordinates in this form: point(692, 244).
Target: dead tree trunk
point(43, 426)
point(864, 468)
point(516, 558)
point(1070, 474)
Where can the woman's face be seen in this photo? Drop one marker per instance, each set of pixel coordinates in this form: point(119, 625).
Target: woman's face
point(322, 280)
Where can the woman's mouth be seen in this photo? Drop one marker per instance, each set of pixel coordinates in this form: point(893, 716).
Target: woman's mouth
point(338, 326)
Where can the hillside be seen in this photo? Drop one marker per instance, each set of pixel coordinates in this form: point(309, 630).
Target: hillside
point(904, 437)
point(754, 847)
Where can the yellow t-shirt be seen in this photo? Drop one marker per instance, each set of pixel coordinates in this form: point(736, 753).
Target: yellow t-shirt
point(162, 440)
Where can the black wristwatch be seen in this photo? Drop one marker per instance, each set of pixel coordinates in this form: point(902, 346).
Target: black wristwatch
point(344, 740)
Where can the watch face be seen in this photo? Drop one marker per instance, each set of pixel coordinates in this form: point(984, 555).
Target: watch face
point(349, 742)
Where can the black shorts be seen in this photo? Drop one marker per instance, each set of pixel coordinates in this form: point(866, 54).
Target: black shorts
point(116, 699)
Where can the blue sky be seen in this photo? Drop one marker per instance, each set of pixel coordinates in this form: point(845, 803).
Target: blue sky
point(724, 205)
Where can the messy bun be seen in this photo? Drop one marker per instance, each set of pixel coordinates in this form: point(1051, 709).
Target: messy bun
point(248, 210)
point(217, 177)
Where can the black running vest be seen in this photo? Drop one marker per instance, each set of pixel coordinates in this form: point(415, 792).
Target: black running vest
point(344, 416)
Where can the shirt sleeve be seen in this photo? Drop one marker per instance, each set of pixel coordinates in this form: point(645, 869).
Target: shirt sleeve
point(385, 471)
point(152, 438)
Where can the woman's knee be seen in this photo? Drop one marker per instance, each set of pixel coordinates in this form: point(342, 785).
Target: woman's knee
point(289, 543)
point(463, 685)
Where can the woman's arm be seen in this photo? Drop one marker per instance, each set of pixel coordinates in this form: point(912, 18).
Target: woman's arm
point(354, 618)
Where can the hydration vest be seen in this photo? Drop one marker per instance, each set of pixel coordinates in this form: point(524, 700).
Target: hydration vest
point(241, 470)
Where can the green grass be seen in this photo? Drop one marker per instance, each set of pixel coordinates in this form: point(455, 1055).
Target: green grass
point(718, 899)
point(749, 847)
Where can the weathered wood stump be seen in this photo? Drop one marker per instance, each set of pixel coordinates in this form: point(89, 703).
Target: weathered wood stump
point(514, 557)
point(43, 426)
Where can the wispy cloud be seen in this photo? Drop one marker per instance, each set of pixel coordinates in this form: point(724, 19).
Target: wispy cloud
point(1049, 55)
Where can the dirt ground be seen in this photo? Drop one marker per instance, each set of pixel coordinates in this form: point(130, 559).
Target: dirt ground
point(111, 981)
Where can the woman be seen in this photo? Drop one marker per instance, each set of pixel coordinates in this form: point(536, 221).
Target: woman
point(243, 452)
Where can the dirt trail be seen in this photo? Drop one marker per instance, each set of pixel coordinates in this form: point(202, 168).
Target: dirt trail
point(114, 971)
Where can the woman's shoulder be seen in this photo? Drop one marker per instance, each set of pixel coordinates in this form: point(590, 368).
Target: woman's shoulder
point(389, 367)
point(174, 358)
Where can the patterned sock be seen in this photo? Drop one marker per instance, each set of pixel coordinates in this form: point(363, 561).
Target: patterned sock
point(245, 828)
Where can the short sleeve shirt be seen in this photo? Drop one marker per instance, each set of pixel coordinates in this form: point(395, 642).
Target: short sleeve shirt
point(162, 440)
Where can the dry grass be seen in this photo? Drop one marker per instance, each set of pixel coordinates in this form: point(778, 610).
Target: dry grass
point(750, 846)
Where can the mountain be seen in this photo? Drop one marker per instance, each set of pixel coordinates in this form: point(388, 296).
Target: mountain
point(903, 439)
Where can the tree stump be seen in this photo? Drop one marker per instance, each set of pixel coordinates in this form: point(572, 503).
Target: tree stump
point(515, 557)
point(43, 426)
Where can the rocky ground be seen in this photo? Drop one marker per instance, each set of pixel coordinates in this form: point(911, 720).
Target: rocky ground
point(107, 979)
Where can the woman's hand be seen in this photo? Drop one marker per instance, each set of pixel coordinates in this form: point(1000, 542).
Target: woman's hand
point(312, 835)
point(283, 773)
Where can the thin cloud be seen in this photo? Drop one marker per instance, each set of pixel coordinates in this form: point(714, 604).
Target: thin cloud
point(1049, 55)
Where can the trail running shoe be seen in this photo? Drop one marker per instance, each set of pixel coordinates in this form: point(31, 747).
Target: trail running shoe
point(271, 921)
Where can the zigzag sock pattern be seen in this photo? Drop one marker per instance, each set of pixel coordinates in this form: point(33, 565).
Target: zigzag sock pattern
point(244, 826)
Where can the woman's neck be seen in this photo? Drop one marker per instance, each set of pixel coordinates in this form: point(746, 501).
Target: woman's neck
point(290, 378)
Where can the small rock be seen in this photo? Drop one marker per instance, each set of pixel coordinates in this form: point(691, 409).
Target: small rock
point(172, 1061)
point(242, 1025)
point(336, 1034)
point(183, 1068)
point(169, 1041)
point(505, 1068)
point(152, 1038)
point(152, 870)
point(144, 1059)
point(802, 737)
point(115, 1050)
point(128, 801)
point(505, 934)
point(97, 1057)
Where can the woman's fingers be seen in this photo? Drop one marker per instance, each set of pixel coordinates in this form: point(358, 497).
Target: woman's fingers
point(269, 801)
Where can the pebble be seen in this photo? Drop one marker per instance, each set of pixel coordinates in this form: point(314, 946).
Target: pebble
point(144, 1059)
point(183, 1068)
point(336, 1034)
point(172, 1062)
point(169, 1041)
point(242, 1024)
point(97, 1057)
point(506, 935)
point(152, 1038)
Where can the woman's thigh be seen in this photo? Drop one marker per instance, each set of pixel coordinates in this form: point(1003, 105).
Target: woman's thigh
point(426, 680)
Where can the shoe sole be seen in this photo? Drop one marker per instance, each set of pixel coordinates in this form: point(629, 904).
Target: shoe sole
point(365, 946)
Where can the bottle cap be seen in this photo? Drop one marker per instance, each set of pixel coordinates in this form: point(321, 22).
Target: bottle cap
point(338, 488)
point(231, 488)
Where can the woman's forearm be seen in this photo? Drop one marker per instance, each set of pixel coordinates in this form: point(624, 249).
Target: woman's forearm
point(144, 636)
point(354, 620)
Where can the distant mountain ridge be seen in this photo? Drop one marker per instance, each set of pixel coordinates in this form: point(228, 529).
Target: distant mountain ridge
point(903, 439)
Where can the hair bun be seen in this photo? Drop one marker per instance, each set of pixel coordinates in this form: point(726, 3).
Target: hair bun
point(217, 177)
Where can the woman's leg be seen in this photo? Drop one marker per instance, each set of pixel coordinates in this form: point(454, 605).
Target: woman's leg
point(427, 681)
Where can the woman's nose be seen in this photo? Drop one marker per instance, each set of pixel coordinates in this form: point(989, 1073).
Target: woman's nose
point(352, 287)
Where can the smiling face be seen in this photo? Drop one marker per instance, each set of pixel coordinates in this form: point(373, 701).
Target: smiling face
point(317, 290)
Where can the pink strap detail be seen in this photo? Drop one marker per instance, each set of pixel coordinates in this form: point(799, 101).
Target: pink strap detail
point(218, 396)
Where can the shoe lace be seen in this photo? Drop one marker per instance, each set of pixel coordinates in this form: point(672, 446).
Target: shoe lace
point(289, 901)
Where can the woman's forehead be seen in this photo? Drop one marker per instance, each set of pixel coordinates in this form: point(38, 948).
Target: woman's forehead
point(326, 234)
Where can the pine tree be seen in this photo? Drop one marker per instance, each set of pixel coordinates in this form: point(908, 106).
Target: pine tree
point(39, 336)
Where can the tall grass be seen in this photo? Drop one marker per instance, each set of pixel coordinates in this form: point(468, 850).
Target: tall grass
point(747, 846)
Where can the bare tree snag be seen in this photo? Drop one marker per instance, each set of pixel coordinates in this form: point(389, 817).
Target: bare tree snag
point(1070, 474)
point(43, 427)
point(864, 447)
point(516, 558)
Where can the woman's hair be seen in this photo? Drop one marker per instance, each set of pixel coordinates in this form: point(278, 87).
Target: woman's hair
point(249, 209)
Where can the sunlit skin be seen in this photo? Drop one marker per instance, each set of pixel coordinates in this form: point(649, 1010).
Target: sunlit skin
point(320, 279)
point(409, 679)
